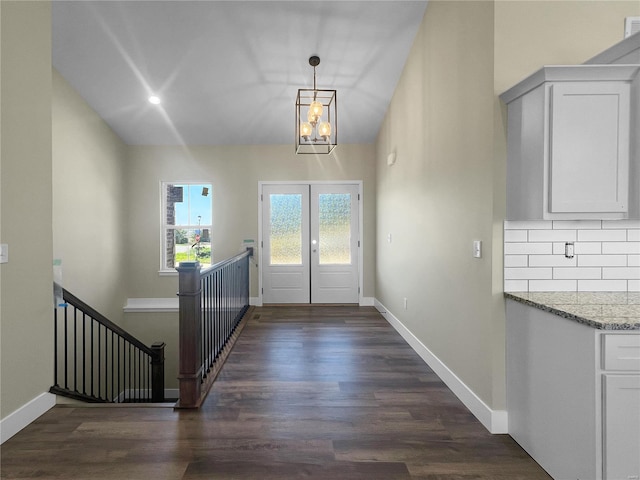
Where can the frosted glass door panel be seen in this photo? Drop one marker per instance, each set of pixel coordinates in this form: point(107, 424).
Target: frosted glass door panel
point(334, 243)
point(285, 242)
point(286, 229)
point(334, 228)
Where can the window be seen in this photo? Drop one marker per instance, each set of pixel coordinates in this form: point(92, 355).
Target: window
point(186, 224)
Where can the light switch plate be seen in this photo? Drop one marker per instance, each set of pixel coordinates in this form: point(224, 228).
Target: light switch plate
point(477, 249)
point(4, 253)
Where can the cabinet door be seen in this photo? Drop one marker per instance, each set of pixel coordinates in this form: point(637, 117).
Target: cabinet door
point(621, 427)
point(589, 147)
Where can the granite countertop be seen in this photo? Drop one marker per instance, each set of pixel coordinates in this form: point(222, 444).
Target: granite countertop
point(601, 310)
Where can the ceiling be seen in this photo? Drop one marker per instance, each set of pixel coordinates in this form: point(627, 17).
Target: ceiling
point(228, 71)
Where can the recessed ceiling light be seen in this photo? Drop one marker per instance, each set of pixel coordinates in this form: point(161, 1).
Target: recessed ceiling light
point(154, 99)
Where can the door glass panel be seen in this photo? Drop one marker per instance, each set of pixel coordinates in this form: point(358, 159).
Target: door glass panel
point(286, 229)
point(334, 228)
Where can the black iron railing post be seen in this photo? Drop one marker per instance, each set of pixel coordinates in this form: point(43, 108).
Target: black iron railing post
point(157, 372)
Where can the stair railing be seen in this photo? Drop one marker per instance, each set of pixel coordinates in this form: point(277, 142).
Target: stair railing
point(212, 303)
point(97, 361)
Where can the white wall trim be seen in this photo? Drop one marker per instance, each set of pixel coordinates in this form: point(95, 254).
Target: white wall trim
point(367, 301)
point(493, 420)
point(140, 305)
point(255, 301)
point(23, 416)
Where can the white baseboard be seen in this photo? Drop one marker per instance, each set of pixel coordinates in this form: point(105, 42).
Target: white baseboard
point(255, 301)
point(367, 302)
point(493, 420)
point(30, 411)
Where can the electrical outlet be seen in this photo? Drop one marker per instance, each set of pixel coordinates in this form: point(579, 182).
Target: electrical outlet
point(569, 249)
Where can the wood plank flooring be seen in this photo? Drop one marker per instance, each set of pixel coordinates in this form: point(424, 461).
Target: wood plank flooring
point(307, 393)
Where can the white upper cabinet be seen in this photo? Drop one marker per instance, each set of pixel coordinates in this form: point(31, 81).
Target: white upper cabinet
point(568, 143)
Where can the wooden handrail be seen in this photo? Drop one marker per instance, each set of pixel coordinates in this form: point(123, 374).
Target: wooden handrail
point(70, 298)
point(218, 266)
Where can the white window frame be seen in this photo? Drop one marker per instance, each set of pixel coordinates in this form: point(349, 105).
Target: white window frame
point(164, 226)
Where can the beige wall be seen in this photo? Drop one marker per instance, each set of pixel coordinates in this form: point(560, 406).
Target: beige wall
point(449, 179)
point(26, 298)
point(234, 173)
point(89, 202)
point(530, 34)
point(437, 198)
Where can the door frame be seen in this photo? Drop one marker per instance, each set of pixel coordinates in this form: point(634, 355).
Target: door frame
point(259, 243)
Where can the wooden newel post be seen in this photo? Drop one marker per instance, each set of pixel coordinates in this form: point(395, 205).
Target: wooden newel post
point(157, 372)
point(189, 370)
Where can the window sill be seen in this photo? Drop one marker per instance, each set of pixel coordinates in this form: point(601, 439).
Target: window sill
point(141, 305)
point(168, 273)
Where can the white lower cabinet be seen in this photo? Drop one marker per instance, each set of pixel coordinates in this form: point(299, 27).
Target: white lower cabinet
point(573, 395)
point(621, 426)
point(620, 367)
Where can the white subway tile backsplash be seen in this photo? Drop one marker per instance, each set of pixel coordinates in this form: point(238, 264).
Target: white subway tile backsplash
point(602, 285)
point(527, 225)
point(602, 235)
point(527, 248)
point(625, 273)
point(620, 247)
point(587, 248)
point(553, 285)
point(552, 235)
point(621, 224)
point(516, 285)
point(516, 260)
point(551, 261)
point(606, 255)
point(602, 260)
point(527, 273)
point(576, 224)
point(577, 273)
point(515, 235)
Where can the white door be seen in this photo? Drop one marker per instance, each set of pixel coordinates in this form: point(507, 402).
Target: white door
point(334, 243)
point(285, 244)
point(310, 241)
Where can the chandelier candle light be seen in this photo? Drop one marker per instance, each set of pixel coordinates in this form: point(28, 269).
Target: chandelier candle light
point(316, 118)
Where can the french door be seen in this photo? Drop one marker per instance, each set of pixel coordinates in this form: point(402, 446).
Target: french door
point(310, 242)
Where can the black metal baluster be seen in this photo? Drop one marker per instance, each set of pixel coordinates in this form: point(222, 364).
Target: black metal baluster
point(84, 355)
point(55, 346)
point(119, 370)
point(113, 388)
point(99, 360)
point(75, 350)
point(129, 382)
point(66, 340)
point(91, 365)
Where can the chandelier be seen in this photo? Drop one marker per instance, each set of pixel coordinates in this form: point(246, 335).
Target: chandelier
point(316, 118)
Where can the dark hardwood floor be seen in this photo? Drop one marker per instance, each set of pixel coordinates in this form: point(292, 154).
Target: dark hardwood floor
point(308, 392)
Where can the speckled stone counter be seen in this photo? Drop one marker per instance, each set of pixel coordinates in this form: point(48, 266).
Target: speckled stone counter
point(602, 310)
